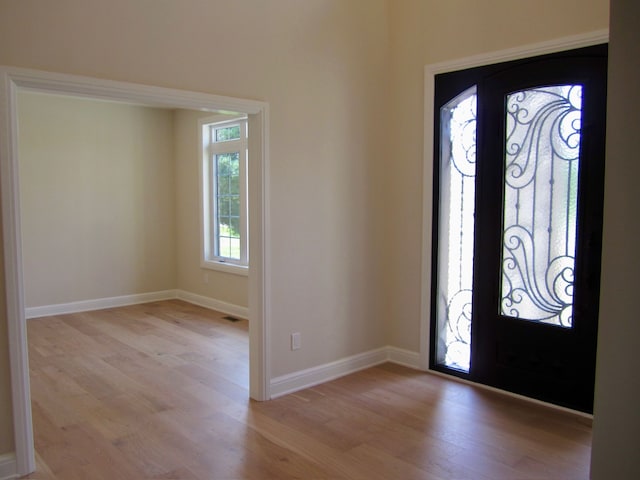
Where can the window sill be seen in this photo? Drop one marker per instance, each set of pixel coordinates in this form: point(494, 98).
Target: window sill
point(226, 267)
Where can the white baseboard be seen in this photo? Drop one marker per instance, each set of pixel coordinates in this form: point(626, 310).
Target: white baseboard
point(124, 300)
point(404, 357)
point(293, 382)
point(310, 377)
point(8, 466)
point(98, 304)
point(213, 304)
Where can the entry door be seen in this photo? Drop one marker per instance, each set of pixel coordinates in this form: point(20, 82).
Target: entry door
point(532, 301)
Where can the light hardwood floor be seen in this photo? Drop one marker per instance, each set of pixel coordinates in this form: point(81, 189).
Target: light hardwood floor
point(160, 391)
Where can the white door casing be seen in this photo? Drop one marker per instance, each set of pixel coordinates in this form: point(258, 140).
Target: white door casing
point(13, 79)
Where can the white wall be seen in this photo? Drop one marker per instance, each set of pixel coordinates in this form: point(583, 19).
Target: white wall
point(97, 199)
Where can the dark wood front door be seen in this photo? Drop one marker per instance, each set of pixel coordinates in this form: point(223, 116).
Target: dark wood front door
point(540, 133)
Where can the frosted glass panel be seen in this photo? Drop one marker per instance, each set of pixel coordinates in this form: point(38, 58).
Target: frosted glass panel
point(456, 230)
point(542, 153)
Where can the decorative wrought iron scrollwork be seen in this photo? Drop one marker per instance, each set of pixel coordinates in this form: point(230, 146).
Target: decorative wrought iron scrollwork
point(540, 208)
point(456, 230)
point(458, 324)
point(462, 130)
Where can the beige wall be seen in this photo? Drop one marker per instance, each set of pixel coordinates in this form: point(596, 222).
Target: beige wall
point(323, 67)
point(112, 191)
point(616, 428)
point(226, 287)
point(344, 80)
point(97, 199)
point(423, 33)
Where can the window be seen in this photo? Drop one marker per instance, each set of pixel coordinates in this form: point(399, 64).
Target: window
point(224, 195)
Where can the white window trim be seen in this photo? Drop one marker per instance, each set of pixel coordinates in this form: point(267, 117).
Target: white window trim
point(207, 149)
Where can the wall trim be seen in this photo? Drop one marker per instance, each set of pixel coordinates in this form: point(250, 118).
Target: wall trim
point(531, 50)
point(8, 466)
point(404, 357)
point(213, 304)
point(310, 377)
point(430, 71)
point(295, 381)
point(98, 304)
point(136, 299)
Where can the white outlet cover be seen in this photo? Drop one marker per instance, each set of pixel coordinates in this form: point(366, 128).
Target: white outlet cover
point(296, 341)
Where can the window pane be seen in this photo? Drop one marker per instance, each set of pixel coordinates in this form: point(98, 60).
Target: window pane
point(234, 227)
point(222, 165)
point(228, 203)
point(234, 248)
point(456, 230)
point(224, 247)
point(228, 164)
point(235, 164)
point(540, 203)
point(234, 185)
point(230, 247)
point(228, 200)
point(223, 186)
point(234, 205)
point(223, 207)
point(227, 133)
point(229, 238)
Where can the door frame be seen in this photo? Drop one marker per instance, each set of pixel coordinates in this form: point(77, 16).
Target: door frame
point(430, 71)
point(13, 79)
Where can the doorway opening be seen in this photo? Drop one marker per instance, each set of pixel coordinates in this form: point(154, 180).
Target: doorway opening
point(12, 80)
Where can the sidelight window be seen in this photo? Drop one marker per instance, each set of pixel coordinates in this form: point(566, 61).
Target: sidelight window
point(456, 229)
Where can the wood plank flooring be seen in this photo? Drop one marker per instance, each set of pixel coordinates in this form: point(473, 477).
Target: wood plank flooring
point(160, 391)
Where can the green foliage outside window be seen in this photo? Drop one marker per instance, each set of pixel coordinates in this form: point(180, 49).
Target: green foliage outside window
point(228, 202)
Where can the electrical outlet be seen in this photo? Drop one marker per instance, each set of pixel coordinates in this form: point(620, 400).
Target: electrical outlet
point(296, 341)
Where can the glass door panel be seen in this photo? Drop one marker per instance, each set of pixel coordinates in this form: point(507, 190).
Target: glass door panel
point(456, 229)
point(542, 153)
